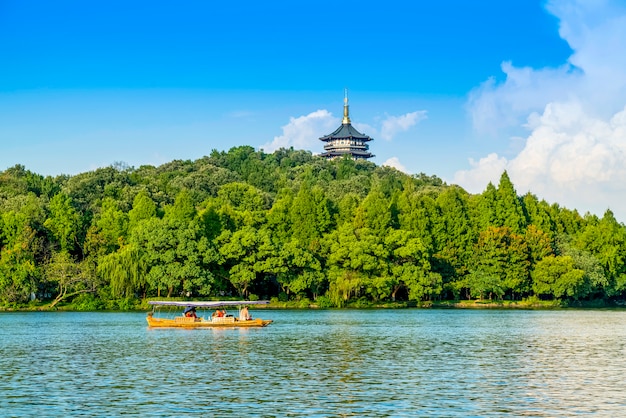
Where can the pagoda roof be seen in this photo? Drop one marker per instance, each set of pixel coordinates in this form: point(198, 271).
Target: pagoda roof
point(339, 153)
point(346, 130)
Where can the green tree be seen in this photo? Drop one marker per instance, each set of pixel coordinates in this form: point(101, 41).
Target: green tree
point(22, 246)
point(606, 241)
point(64, 222)
point(409, 267)
point(69, 277)
point(18, 275)
point(125, 270)
point(457, 237)
point(557, 276)
point(538, 213)
point(178, 257)
point(310, 213)
point(298, 269)
point(144, 208)
point(485, 208)
point(112, 224)
point(500, 263)
point(245, 253)
point(509, 211)
point(356, 262)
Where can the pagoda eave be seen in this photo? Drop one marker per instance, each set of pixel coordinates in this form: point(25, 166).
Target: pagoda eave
point(350, 138)
point(333, 154)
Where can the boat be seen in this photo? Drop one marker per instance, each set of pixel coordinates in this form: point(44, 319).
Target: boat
point(216, 316)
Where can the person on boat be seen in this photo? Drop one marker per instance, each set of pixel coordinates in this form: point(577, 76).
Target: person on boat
point(244, 315)
point(219, 313)
point(190, 312)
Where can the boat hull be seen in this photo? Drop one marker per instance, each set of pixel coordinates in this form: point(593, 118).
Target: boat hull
point(182, 322)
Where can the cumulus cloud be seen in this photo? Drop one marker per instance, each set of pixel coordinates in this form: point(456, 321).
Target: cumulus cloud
point(395, 163)
point(575, 152)
point(496, 106)
point(304, 132)
point(485, 170)
point(395, 124)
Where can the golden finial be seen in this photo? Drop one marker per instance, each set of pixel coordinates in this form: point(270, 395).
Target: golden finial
point(346, 115)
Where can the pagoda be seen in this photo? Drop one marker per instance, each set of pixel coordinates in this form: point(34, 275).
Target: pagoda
point(346, 140)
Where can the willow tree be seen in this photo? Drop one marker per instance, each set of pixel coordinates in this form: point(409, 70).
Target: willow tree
point(125, 270)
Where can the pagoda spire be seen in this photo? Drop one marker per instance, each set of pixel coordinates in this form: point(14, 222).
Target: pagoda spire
point(346, 141)
point(346, 110)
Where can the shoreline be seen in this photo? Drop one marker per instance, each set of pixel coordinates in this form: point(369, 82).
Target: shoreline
point(300, 305)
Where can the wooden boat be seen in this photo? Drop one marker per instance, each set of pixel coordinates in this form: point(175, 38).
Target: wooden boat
point(189, 318)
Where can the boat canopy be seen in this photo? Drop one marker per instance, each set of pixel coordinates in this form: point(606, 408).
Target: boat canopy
point(208, 304)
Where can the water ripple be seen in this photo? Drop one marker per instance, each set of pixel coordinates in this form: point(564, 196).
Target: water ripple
point(322, 363)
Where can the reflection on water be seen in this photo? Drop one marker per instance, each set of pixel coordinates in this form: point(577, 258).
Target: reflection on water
point(317, 363)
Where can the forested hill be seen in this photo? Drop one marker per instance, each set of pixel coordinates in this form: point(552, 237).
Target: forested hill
point(292, 226)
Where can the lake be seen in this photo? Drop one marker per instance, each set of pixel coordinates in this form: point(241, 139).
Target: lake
point(361, 363)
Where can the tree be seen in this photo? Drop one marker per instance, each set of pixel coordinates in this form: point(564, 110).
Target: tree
point(539, 244)
point(22, 246)
point(606, 241)
point(484, 208)
point(500, 263)
point(556, 276)
point(143, 208)
point(376, 212)
point(310, 213)
point(357, 258)
point(178, 257)
point(69, 277)
point(538, 213)
point(112, 224)
point(18, 275)
point(509, 210)
point(64, 222)
point(457, 237)
point(245, 252)
point(409, 267)
point(126, 270)
point(298, 270)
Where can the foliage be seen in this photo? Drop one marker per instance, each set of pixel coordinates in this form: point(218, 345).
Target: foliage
point(295, 228)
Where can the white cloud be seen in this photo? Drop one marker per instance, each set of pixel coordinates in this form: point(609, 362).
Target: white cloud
point(304, 132)
point(485, 170)
point(496, 106)
point(569, 158)
point(575, 153)
point(394, 124)
point(395, 163)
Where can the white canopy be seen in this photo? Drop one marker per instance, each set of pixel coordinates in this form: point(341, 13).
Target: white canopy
point(208, 304)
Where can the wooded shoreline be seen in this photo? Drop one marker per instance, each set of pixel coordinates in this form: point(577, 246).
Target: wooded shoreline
point(295, 228)
point(452, 304)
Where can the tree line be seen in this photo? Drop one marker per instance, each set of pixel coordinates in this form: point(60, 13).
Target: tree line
point(292, 226)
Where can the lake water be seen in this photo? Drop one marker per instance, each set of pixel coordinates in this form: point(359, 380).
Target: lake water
point(318, 363)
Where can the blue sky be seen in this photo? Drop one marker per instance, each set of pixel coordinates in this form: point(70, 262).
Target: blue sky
point(462, 90)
